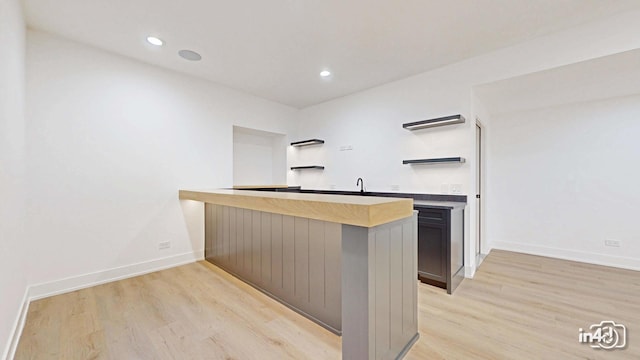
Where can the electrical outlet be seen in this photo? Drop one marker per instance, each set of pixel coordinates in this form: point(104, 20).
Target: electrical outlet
point(346, 147)
point(332, 187)
point(395, 187)
point(456, 188)
point(612, 243)
point(164, 245)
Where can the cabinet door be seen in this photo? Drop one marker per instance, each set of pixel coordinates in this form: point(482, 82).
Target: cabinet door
point(432, 251)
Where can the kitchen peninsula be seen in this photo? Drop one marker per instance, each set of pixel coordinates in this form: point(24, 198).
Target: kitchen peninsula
point(348, 263)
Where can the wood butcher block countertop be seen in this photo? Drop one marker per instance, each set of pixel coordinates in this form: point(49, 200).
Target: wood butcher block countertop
point(366, 211)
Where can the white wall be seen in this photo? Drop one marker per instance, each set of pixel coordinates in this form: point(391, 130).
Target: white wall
point(564, 179)
point(110, 142)
point(371, 120)
point(259, 157)
point(13, 281)
point(371, 123)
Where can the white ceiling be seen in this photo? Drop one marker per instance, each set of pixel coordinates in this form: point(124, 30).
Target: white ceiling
point(606, 77)
point(276, 48)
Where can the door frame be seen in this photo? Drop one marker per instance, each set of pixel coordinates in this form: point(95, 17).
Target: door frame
point(480, 182)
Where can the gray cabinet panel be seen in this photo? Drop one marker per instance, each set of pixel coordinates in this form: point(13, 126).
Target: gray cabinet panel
point(209, 225)
point(248, 229)
point(316, 263)
point(284, 256)
point(265, 248)
point(301, 259)
point(219, 230)
point(233, 240)
point(276, 252)
point(288, 254)
point(320, 269)
point(409, 269)
point(382, 280)
point(256, 243)
point(239, 225)
point(395, 289)
point(333, 269)
point(378, 321)
point(226, 243)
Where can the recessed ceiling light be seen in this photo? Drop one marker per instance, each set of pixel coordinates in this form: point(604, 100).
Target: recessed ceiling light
point(154, 41)
point(325, 73)
point(189, 55)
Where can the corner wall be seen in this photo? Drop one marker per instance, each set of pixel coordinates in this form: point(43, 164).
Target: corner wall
point(110, 142)
point(13, 267)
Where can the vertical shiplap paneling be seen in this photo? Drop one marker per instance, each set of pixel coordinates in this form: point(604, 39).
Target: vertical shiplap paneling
point(233, 250)
point(382, 293)
point(276, 252)
point(301, 259)
point(226, 239)
point(209, 230)
point(240, 240)
point(409, 275)
point(256, 244)
point(219, 235)
point(395, 288)
point(265, 248)
point(248, 238)
point(316, 263)
point(333, 270)
point(284, 255)
point(288, 254)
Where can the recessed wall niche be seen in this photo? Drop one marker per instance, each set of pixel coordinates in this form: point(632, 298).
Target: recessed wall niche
point(259, 157)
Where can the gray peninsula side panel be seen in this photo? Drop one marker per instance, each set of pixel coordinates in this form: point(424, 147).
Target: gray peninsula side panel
point(295, 260)
point(379, 290)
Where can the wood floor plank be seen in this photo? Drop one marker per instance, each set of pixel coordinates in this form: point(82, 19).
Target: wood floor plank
point(517, 307)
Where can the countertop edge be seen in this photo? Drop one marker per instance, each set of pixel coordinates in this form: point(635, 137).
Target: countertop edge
point(344, 212)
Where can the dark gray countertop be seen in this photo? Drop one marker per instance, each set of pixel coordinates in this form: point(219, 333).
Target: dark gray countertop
point(447, 201)
point(439, 204)
point(430, 200)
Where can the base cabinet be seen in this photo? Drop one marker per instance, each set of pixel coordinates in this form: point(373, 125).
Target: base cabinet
point(440, 246)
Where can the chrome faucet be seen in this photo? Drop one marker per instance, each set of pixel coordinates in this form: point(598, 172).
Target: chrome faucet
point(361, 183)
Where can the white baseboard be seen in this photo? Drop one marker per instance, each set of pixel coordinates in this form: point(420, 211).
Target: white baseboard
point(39, 291)
point(18, 325)
point(581, 256)
point(469, 272)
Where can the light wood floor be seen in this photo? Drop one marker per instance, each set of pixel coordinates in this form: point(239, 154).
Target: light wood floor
point(517, 307)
